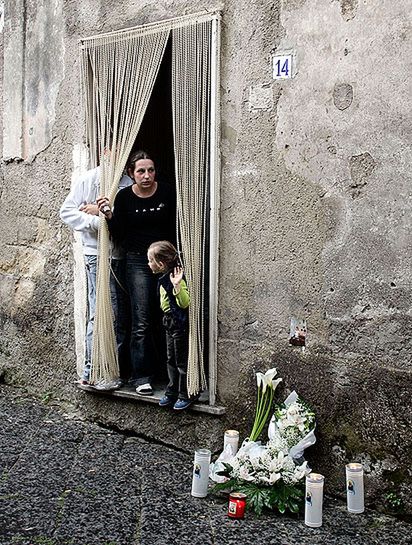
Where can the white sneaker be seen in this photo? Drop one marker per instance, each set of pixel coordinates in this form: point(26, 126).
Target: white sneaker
point(106, 385)
point(144, 390)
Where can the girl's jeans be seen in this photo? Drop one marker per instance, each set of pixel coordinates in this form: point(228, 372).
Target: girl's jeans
point(177, 343)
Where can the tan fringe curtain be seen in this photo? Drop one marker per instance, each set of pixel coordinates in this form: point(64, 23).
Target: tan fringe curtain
point(118, 77)
point(191, 100)
point(118, 73)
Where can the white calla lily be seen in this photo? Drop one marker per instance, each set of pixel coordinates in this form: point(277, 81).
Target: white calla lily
point(267, 380)
point(275, 383)
point(270, 374)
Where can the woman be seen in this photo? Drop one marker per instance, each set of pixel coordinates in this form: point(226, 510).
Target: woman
point(142, 214)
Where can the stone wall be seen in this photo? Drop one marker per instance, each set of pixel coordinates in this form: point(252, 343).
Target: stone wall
point(315, 202)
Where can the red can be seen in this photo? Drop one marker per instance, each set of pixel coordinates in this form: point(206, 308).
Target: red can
point(237, 505)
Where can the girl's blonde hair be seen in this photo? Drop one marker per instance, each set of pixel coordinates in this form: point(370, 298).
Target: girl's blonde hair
point(164, 251)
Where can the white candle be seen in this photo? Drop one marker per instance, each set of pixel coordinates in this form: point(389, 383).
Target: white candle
point(354, 488)
point(200, 478)
point(231, 438)
point(314, 500)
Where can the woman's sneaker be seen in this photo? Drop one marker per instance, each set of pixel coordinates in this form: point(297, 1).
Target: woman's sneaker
point(167, 401)
point(144, 390)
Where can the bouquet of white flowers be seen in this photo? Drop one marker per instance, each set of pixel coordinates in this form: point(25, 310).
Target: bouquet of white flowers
point(271, 475)
point(293, 422)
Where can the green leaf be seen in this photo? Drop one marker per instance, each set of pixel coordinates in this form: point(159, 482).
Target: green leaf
point(281, 507)
point(294, 507)
point(227, 485)
point(280, 497)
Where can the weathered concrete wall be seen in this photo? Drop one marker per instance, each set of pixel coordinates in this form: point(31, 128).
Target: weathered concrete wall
point(314, 222)
point(315, 200)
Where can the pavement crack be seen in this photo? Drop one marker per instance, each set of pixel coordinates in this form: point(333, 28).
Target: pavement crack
point(140, 437)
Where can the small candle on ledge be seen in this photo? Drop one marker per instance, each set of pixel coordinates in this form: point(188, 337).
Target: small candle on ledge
point(314, 500)
point(200, 478)
point(231, 438)
point(354, 488)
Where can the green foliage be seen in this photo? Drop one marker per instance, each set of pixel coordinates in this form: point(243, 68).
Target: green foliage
point(8, 497)
point(278, 497)
point(4, 476)
point(43, 540)
point(47, 397)
point(394, 501)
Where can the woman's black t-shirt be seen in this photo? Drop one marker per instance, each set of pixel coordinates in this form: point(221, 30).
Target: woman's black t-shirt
point(138, 221)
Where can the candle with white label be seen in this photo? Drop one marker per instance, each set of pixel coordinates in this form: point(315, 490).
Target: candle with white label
point(200, 478)
point(314, 500)
point(354, 488)
point(231, 438)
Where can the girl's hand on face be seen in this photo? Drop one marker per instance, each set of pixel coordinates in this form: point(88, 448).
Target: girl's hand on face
point(104, 207)
point(176, 277)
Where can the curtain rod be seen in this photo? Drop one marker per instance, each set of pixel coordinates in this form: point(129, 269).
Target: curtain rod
point(168, 23)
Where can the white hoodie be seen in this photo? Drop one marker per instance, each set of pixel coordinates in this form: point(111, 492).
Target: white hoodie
point(86, 191)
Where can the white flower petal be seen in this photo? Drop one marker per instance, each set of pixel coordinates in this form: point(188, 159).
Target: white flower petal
point(275, 383)
point(270, 374)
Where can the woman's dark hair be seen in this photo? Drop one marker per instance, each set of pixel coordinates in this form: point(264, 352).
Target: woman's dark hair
point(136, 156)
point(164, 251)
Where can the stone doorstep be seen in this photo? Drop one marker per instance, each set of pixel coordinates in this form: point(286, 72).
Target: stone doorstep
point(127, 392)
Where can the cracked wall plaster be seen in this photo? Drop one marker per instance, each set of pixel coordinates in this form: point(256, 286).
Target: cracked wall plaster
point(349, 139)
point(32, 76)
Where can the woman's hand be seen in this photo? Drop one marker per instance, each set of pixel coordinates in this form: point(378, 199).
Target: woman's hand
point(176, 277)
point(104, 207)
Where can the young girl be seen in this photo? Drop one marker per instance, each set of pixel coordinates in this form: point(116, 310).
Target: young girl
point(174, 301)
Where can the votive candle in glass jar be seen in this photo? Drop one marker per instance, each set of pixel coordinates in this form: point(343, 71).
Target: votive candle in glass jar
point(237, 505)
point(231, 438)
point(354, 488)
point(200, 478)
point(314, 500)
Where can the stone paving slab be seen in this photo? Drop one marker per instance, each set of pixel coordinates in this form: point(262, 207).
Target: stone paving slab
point(64, 481)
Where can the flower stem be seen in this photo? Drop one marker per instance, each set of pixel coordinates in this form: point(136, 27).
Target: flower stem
point(257, 415)
point(266, 412)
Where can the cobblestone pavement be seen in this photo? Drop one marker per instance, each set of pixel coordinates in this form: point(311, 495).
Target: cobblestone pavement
point(68, 482)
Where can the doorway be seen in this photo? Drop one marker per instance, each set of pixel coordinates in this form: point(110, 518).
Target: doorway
point(166, 78)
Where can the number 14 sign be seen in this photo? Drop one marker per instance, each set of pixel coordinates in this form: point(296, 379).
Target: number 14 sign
point(282, 66)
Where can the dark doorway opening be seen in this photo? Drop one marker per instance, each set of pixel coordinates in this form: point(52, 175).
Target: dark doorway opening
point(156, 131)
point(156, 138)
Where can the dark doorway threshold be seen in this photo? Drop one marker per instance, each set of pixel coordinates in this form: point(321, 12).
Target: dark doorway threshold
point(127, 392)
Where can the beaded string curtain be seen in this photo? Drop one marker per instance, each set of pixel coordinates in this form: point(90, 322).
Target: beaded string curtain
point(118, 73)
point(118, 77)
point(190, 98)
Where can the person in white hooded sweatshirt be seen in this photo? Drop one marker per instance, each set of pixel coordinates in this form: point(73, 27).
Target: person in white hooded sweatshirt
point(80, 212)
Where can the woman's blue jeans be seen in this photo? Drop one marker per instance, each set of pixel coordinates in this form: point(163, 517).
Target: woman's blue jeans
point(120, 305)
point(121, 311)
point(143, 300)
